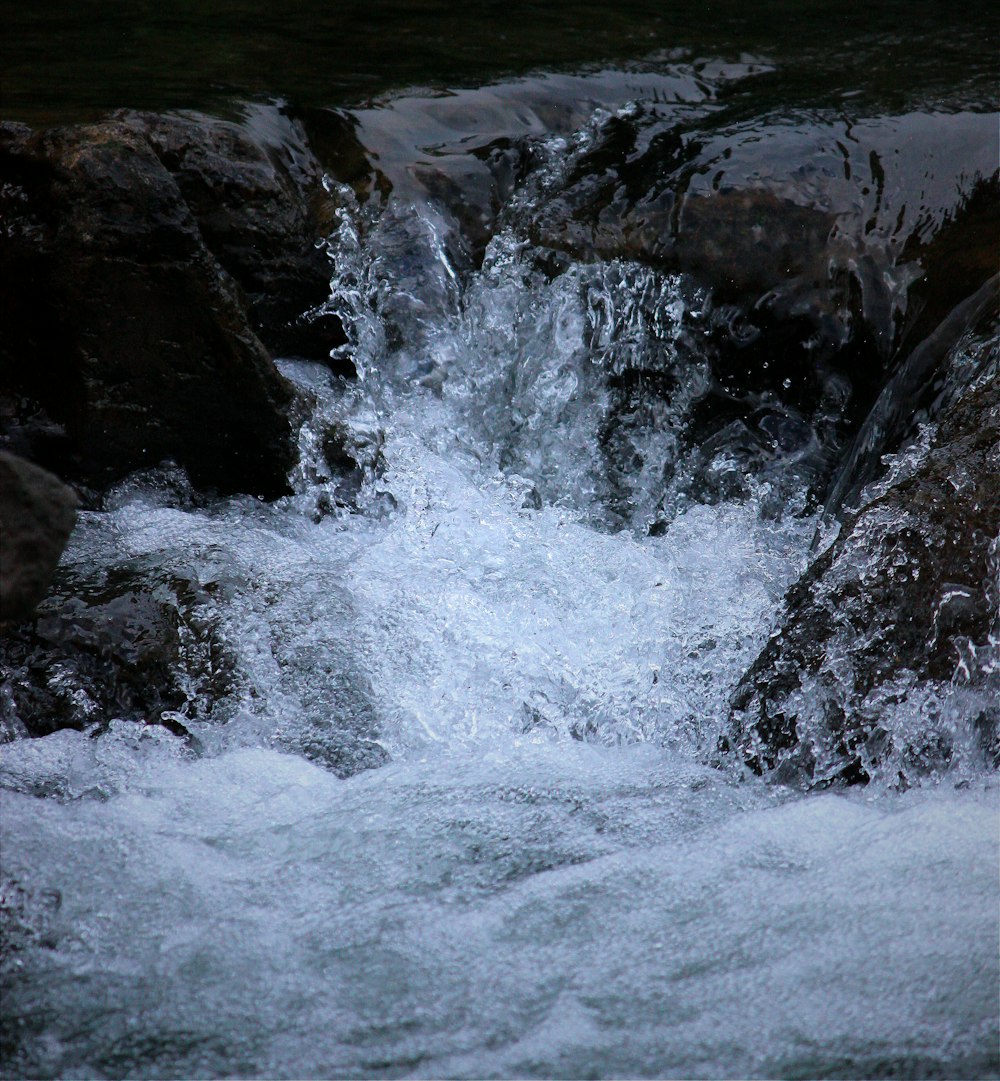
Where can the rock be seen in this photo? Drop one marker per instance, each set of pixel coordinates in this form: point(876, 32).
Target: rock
point(469, 150)
point(886, 656)
point(914, 391)
point(139, 644)
point(155, 640)
point(815, 252)
point(256, 191)
point(830, 250)
point(37, 512)
point(826, 221)
point(119, 329)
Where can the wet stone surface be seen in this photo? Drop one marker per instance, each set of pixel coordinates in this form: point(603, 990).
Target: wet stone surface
point(522, 565)
point(145, 255)
point(900, 613)
point(139, 645)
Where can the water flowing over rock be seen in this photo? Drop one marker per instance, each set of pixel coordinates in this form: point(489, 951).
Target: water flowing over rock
point(827, 248)
point(37, 512)
point(420, 769)
point(828, 221)
point(830, 250)
point(899, 617)
point(139, 646)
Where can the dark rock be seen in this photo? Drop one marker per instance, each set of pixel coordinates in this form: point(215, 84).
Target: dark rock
point(829, 221)
point(37, 512)
point(916, 390)
point(119, 328)
point(139, 644)
point(148, 641)
point(469, 150)
point(830, 250)
point(256, 191)
point(887, 650)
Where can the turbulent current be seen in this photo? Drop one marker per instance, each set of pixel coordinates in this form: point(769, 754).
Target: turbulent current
point(450, 802)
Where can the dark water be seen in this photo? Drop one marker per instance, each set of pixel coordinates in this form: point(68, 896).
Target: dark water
point(70, 59)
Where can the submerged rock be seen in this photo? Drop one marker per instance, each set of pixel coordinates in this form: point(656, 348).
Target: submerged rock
point(37, 512)
point(887, 651)
point(152, 641)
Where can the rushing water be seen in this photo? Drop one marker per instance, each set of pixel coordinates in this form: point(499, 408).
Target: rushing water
point(543, 874)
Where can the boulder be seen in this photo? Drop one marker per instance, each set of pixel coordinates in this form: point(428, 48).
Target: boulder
point(37, 512)
point(824, 220)
point(812, 252)
point(886, 656)
point(255, 188)
point(124, 341)
point(149, 640)
point(829, 250)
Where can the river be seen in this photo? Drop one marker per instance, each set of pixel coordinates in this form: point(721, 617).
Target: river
point(452, 805)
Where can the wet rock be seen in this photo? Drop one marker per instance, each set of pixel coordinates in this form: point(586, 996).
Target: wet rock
point(147, 641)
point(886, 657)
point(37, 512)
point(141, 644)
point(256, 191)
point(922, 383)
point(118, 326)
point(825, 220)
point(469, 150)
point(829, 246)
point(830, 250)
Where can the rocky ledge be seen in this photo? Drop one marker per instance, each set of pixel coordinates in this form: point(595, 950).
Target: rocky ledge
point(155, 264)
point(151, 264)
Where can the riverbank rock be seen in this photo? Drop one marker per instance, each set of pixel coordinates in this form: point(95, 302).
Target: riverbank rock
point(37, 512)
point(133, 252)
point(886, 657)
point(152, 641)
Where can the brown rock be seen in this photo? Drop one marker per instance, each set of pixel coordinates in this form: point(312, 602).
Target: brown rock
point(120, 328)
point(256, 191)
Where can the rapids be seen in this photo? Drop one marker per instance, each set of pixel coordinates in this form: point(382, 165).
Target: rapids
point(452, 805)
